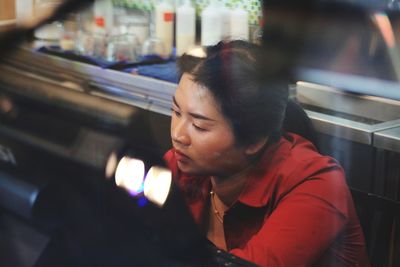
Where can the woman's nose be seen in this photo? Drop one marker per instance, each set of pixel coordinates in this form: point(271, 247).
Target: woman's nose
point(179, 133)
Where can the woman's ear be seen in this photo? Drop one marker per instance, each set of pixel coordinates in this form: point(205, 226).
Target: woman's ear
point(256, 147)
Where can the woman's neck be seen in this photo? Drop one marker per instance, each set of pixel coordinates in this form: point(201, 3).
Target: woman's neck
point(229, 188)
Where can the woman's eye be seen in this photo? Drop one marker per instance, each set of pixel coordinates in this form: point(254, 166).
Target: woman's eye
point(176, 112)
point(199, 128)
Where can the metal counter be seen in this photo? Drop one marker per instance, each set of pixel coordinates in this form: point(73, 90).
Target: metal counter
point(388, 139)
point(387, 167)
point(144, 92)
point(353, 117)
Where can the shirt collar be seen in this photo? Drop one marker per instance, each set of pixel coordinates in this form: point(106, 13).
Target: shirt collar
point(261, 182)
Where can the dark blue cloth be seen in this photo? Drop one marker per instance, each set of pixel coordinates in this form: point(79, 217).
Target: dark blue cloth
point(151, 66)
point(57, 51)
point(165, 71)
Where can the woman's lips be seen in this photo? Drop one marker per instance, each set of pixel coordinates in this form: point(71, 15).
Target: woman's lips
point(180, 156)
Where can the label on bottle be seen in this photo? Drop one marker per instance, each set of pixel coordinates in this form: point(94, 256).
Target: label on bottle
point(168, 16)
point(100, 21)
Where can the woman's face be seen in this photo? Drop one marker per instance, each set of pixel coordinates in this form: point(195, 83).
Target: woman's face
point(201, 135)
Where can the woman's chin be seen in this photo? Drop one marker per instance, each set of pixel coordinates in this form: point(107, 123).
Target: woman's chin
point(188, 168)
point(184, 166)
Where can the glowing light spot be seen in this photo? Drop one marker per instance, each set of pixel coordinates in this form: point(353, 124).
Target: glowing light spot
point(111, 165)
point(130, 174)
point(142, 201)
point(157, 185)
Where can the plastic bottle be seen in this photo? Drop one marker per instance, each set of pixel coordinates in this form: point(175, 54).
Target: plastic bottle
point(239, 24)
point(185, 28)
point(211, 24)
point(103, 15)
point(226, 21)
point(164, 24)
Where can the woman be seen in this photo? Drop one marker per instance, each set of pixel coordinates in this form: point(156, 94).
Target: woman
point(261, 194)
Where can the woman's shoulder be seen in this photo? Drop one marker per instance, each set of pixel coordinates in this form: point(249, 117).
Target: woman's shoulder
point(292, 165)
point(303, 156)
point(306, 171)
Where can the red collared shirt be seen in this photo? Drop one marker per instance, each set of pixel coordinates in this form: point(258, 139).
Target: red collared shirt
point(295, 209)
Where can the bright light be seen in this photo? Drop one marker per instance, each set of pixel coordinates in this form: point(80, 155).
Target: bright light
point(111, 165)
point(157, 185)
point(197, 51)
point(130, 174)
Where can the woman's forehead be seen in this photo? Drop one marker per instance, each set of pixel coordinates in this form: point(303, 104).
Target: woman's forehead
point(191, 90)
point(195, 97)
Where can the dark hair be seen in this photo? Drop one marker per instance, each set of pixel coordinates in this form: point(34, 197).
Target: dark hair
point(254, 103)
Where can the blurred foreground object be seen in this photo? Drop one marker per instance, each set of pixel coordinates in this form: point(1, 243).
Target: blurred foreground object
point(343, 57)
point(9, 40)
point(335, 43)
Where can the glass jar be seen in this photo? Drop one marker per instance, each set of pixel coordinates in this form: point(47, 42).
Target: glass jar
point(135, 22)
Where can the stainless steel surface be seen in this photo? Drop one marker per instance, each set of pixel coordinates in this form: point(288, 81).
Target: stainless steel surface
point(342, 128)
point(45, 89)
point(370, 107)
point(344, 115)
point(388, 139)
point(352, 83)
point(94, 79)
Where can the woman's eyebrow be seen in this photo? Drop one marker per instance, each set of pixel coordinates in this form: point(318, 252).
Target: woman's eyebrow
point(194, 115)
point(174, 100)
point(200, 117)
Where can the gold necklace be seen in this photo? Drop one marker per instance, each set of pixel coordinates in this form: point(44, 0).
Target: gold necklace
point(216, 212)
